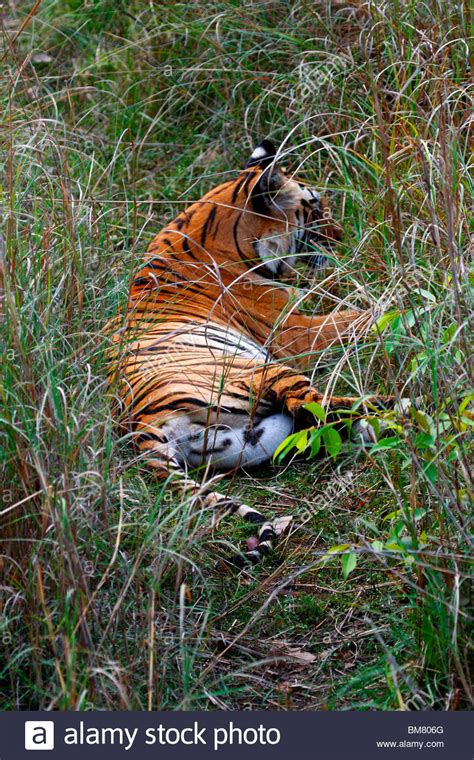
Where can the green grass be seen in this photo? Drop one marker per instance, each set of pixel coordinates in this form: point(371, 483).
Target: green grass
point(115, 115)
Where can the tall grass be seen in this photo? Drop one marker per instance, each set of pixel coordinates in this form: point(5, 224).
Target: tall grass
point(115, 114)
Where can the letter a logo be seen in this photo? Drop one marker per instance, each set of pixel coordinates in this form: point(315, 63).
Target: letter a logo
point(39, 734)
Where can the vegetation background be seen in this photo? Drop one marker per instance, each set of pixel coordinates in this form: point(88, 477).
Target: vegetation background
point(115, 113)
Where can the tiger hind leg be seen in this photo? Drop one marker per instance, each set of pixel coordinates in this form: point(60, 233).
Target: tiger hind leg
point(220, 448)
point(227, 447)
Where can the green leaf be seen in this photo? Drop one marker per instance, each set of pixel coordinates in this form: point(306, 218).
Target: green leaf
point(398, 528)
point(449, 332)
point(374, 423)
point(431, 473)
point(465, 402)
point(377, 546)
point(409, 316)
point(335, 550)
point(424, 441)
point(332, 441)
point(453, 455)
point(393, 515)
point(407, 542)
point(287, 445)
point(338, 548)
point(300, 443)
point(316, 409)
point(419, 513)
point(425, 422)
point(348, 562)
point(393, 547)
point(418, 362)
point(385, 320)
point(391, 442)
point(426, 294)
point(315, 443)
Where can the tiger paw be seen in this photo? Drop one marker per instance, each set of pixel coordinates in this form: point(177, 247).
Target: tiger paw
point(296, 403)
point(363, 431)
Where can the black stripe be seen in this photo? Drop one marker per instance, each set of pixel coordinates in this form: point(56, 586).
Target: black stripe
point(245, 187)
point(298, 386)
point(238, 185)
point(267, 535)
point(187, 249)
point(153, 264)
point(254, 517)
point(143, 281)
point(208, 224)
point(239, 250)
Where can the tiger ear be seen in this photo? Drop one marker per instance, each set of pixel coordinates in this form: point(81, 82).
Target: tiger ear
point(263, 155)
point(268, 192)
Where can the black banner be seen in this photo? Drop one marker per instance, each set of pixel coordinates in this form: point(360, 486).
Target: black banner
point(172, 736)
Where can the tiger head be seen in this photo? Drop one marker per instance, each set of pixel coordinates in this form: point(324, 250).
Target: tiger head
point(295, 220)
point(264, 219)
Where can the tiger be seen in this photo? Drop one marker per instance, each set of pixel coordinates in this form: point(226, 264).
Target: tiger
point(211, 357)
